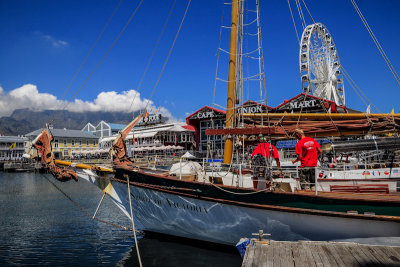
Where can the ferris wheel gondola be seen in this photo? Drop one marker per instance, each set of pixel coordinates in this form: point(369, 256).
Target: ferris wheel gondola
point(320, 68)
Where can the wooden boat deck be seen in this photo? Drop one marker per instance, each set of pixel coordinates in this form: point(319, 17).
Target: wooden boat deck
point(392, 197)
point(314, 253)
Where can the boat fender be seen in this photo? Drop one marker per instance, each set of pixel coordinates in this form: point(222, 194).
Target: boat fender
point(242, 245)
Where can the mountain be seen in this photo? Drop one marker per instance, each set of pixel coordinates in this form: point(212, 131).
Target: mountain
point(23, 121)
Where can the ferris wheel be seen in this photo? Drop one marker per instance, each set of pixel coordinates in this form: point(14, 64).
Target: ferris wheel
point(320, 68)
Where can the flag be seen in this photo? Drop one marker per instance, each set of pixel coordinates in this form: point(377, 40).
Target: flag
point(368, 111)
point(392, 111)
point(13, 145)
point(133, 139)
point(175, 139)
point(133, 115)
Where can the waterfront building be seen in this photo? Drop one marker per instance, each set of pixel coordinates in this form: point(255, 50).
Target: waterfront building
point(151, 134)
point(203, 119)
point(69, 143)
point(12, 147)
point(211, 118)
point(156, 138)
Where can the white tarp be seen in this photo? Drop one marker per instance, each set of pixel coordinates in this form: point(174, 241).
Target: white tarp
point(187, 155)
point(185, 168)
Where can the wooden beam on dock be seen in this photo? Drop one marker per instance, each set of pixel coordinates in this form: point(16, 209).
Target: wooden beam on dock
point(318, 253)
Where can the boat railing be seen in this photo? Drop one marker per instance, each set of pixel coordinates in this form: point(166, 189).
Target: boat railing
point(365, 170)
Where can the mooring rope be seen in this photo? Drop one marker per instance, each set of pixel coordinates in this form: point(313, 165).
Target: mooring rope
point(133, 223)
point(85, 211)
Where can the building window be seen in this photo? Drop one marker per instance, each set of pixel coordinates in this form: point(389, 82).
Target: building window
point(65, 142)
point(87, 142)
point(56, 143)
point(72, 142)
point(80, 142)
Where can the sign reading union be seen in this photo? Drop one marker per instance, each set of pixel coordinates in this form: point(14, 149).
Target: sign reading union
point(251, 109)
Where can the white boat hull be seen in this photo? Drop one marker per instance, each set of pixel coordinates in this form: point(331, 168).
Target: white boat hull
point(212, 221)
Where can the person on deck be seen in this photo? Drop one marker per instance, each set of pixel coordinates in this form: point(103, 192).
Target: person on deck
point(262, 152)
point(307, 151)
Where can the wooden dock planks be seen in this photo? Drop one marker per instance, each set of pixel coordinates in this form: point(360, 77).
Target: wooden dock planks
point(315, 253)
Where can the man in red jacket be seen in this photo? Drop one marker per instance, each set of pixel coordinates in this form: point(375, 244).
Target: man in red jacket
point(307, 151)
point(262, 152)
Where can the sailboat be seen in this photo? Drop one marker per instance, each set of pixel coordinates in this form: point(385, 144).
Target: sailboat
point(206, 208)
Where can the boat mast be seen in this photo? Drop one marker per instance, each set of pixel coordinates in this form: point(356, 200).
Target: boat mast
point(230, 105)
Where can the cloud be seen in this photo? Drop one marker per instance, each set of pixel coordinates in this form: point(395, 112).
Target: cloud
point(28, 96)
point(53, 41)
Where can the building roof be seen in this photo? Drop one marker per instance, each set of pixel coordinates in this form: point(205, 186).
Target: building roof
point(217, 110)
point(189, 127)
point(7, 139)
point(251, 102)
point(64, 133)
point(310, 96)
point(116, 126)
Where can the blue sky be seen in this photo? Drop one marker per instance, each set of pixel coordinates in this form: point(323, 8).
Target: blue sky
point(44, 42)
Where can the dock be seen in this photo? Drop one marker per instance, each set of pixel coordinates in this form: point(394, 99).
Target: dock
point(18, 166)
point(316, 253)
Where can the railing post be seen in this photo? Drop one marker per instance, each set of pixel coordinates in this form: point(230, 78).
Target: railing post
point(240, 178)
point(316, 181)
point(180, 168)
point(344, 171)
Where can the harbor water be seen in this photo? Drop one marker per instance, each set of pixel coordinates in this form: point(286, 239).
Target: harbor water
point(41, 226)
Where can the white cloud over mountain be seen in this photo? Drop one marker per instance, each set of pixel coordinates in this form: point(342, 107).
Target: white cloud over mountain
point(28, 96)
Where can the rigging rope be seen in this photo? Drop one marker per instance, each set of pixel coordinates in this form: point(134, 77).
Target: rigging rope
point(355, 90)
point(294, 23)
point(169, 54)
point(309, 13)
point(235, 193)
point(218, 53)
point(85, 211)
point(91, 49)
point(377, 44)
point(152, 55)
point(87, 56)
point(303, 21)
point(104, 57)
point(358, 89)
